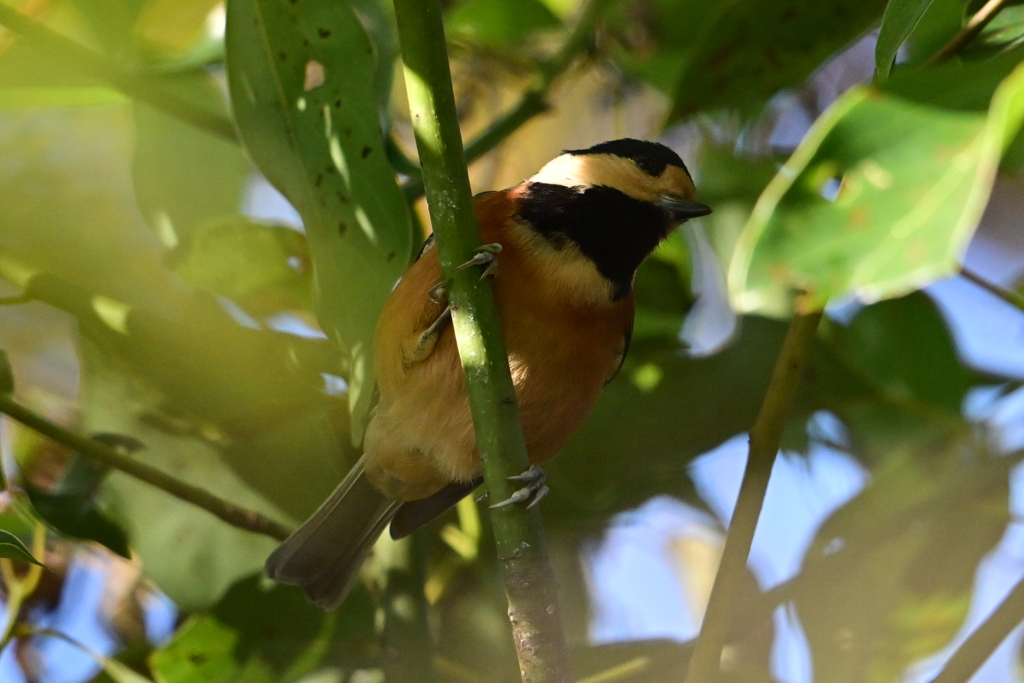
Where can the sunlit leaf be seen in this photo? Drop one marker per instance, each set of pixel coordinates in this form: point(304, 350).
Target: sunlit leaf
point(12, 548)
point(182, 174)
point(912, 182)
point(173, 26)
point(899, 20)
point(498, 22)
point(263, 268)
point(301, 77)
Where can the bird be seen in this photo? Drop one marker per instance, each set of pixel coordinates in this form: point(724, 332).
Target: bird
point(561, 249)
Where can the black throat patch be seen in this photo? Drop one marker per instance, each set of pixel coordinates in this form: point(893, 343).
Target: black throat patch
point(614, 230)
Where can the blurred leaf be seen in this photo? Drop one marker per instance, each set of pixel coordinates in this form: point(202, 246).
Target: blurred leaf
point(937, 25)
point(12, 548)
point(203, 650)
point(904, 350)
point(914, 181)
point(888, 578)
point(301, 78)
point(79, 519)
point(499, 23)
point(173, 26)
point(898, 22)
point(738, 54)
point(265, 634)
point(263, 268)
point(697, 404)
point(1003, 33)
point(85, 96)
point(117, 401)
point(111, 22)
point(184, 175)
point(6, 374)
point(639, 661)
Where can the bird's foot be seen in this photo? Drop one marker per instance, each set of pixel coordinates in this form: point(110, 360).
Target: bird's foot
point(533, 492)
point(485, 255)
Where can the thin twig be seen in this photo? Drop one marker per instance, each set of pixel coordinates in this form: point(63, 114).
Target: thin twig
point(980, 645)
point(519, 535)
point(16, 300)
point(235, 515)
point(534, 100)
point(136, 86)
point(969, 32)
point(765, 438)
point(1007, 295)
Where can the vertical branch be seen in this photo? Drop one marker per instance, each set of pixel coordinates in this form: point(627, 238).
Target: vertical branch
point(529, 580)
point(765, 437)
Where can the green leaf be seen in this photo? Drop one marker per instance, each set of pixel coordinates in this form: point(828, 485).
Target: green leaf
point(12, 548)
point(266, 633)
point(904, 349)
point(6, 374)
point(899, 20)
point(914, 181)
point(184, 175)
point(500, 23)
point(888, 578)
point(738, 54)
point(202, 650)
point(301, 76)
point(263, 268)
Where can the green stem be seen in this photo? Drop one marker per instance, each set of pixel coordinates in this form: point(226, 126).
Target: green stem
point(243, 518)
point(534, 100)
point(980, 645)
point(519, 536)
point(137, 86)
point(969, 32)
point(765, 438)
point(1009, 296)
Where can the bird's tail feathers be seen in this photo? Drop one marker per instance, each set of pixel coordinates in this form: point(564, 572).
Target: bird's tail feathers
point(324, 555)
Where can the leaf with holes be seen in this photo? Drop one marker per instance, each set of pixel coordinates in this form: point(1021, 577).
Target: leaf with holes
point(301, 75)
point(910, 169)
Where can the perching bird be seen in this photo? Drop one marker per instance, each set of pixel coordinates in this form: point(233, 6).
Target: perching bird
point(571, 239)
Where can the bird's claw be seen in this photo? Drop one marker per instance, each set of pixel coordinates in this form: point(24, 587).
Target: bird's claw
point(533, 491)
point(485, 255)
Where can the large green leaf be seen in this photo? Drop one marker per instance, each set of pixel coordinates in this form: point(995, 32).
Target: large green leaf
point(301, 76)
point(738, 53)
point(501, 23)
point(914, 179)
point(266, 633)
point(184, 175)
point(263, 268)
point(888, 579)
point(898, 22)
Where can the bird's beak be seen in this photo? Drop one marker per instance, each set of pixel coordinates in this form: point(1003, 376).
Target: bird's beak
point(681, 209)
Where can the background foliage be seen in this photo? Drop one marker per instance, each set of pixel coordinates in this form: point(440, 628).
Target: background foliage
point(161, 294)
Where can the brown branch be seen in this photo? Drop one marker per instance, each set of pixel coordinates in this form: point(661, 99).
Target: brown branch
point(1007, 295)
point(980, 645)
point(235, 515)
point(969, 32)
point(765, 438)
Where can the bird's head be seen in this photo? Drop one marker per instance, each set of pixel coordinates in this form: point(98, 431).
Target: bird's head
point(610, 204)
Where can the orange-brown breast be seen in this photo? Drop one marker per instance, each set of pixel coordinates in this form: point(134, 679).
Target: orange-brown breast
point(560, 353)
